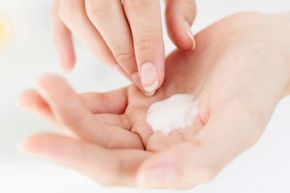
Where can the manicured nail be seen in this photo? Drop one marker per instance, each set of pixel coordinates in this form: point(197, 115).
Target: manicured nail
point(189, 33)
point(149, 78)
point(160, 177)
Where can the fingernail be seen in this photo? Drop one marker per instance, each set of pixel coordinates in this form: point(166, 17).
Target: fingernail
point(149, 77)
point(161, 177)
point(189, 33)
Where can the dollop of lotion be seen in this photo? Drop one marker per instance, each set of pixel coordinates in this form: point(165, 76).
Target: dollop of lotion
point(175, 112)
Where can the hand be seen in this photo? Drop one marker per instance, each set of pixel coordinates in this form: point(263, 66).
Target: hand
point(123, 32)
point(238, 74)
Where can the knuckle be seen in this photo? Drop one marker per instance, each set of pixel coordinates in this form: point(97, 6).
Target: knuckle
point(146, 43)
point(137, 5)
point(97, 9)
point(123, 56)
point(68, 10)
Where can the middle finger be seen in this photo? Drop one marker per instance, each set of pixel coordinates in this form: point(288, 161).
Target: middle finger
point(110, 20)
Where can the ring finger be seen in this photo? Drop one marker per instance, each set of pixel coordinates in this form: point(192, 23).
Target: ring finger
point(72, 14)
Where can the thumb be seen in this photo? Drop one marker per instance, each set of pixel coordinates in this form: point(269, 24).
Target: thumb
point(179, 18)
point(182, 167)
point(187, 165)
point(144, 18)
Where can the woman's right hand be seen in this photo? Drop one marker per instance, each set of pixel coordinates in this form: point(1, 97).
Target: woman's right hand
point(124, 33)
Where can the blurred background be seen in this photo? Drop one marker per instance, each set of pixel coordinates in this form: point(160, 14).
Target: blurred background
point(26, 51)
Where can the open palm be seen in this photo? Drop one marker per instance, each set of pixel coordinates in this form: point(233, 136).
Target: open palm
point(237, 76)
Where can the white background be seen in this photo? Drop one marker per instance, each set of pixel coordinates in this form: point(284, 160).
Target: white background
point(29, 51)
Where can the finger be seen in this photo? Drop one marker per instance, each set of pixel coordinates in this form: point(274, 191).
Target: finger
point(109, 18)
point(113, 120)
point(176, 137)
point(157, 142)
point(109, 102)
point(108, 167)
point(73, 14)
point(63, 40)
point(140, 126)
point(179, 18)
point(70, 110)
point(190, 164)
point(31, 100)
point(192, 131)
point(144, 18)
point(108, 107)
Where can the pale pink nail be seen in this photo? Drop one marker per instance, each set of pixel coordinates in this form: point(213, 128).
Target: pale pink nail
point(189, 33)
point(149, 77)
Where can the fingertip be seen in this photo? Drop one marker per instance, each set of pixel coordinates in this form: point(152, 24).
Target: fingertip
point(31, 145)
point(169, 169)
point(47, 86)
point(44, 144)
point(24, 100)
point(179, 18)
point(30, 100)
point(150, 77)
point(65, 47)
point(137, 81)
point(161, 74)
point(181, 34)
point(68, 61)
point(53, 87)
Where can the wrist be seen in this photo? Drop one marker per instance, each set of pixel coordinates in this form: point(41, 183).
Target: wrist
point(281, 27)
point(286, 18)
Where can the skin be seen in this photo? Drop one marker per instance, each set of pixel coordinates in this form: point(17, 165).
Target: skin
point(139, 37)
point(238, 73)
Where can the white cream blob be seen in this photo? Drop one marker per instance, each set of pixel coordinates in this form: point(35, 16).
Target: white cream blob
point(175, 112)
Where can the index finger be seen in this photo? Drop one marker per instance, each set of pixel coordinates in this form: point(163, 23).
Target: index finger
point(108, 167)
point(144, 18)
